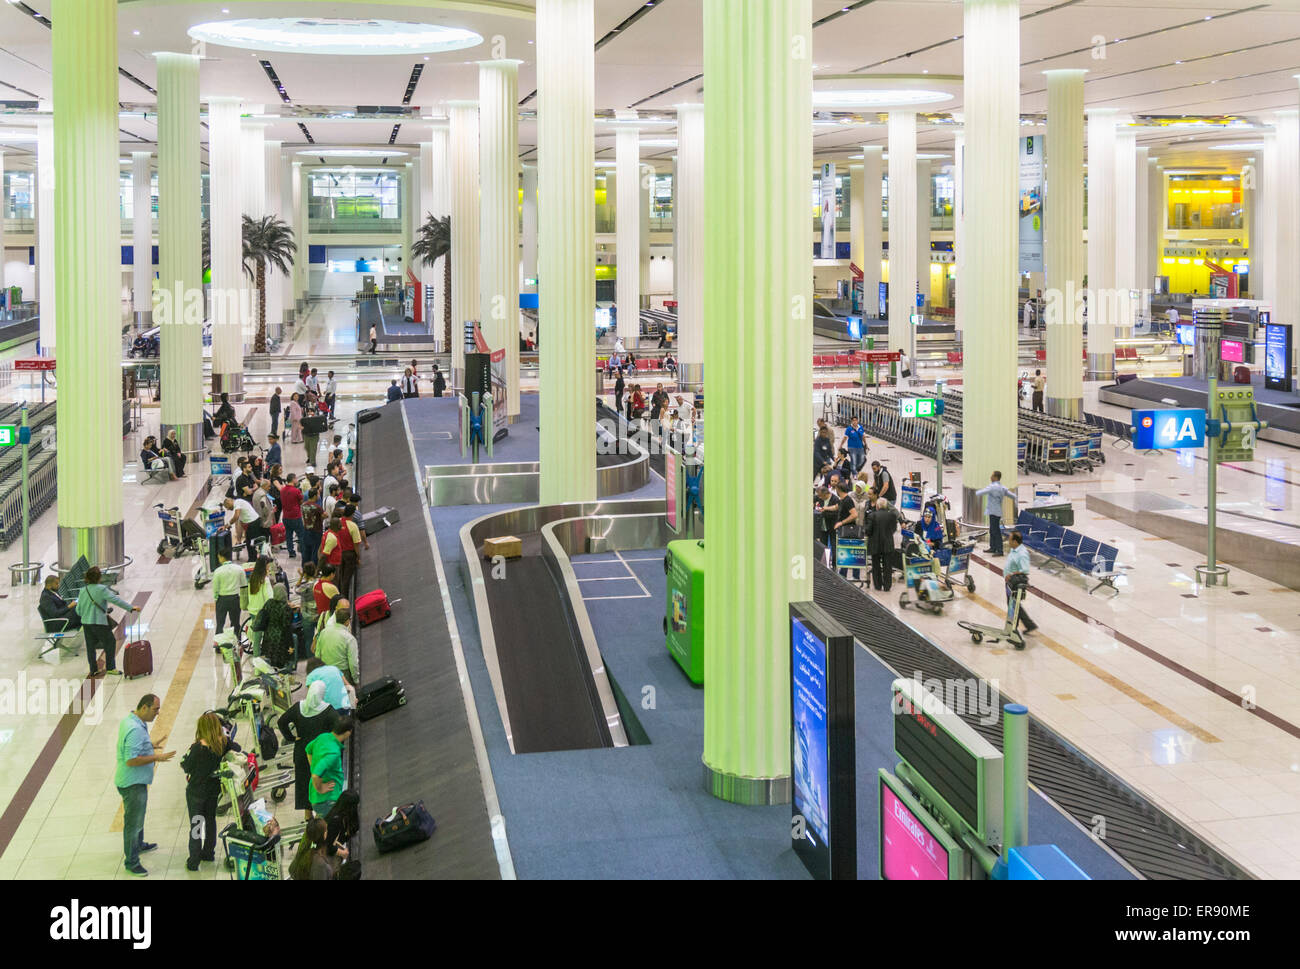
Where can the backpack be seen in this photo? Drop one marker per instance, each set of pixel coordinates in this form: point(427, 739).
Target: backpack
point(311, 516)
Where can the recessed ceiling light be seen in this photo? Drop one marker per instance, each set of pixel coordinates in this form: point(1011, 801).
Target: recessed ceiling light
point(876, 98)
point(659, 143)
point(353, 153)
point(1240, 146)
point(320, 35)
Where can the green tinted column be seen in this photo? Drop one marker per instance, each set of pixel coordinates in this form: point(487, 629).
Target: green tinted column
point(180, 285)
point(566, 84)
point(87, 242)
point(758, 342)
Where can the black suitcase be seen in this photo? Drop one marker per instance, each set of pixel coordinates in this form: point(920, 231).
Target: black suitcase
point(379, 697)
point(219, 542)
point(377, 521)
point(315, 425)
point(407, 825)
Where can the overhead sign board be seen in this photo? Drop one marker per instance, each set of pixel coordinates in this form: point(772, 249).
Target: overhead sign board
point(919, 406)
point(1160, 430)
point(41, 363)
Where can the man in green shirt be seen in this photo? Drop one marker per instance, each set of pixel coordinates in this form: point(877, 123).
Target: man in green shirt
point(325, 755)
point(136, 755)
point(227, 579)
point(336, 646)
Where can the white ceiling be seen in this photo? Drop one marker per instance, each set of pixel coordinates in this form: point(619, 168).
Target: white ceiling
point(1239, 62)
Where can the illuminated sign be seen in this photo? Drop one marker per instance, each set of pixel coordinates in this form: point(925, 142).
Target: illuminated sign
point(919, 406)
point(1168, 429)
point(1232, 351)
point(1277, 357)
point(8, 435)
point(913, 845)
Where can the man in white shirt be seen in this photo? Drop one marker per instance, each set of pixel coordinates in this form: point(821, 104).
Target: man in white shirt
point(331, 393)
point(374, 339)
point(245, 522)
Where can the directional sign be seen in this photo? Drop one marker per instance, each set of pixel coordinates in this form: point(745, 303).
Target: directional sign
point(8, 435)
point(919, 406)
point(42, 363)
point(1168, 429)
point(879, 356)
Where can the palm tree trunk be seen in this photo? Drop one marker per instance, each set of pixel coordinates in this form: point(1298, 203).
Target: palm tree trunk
point(446, 302)
point(259, 344)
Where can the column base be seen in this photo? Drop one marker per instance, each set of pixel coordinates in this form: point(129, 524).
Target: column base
point(1071, 408)
point(103, 546)
point(690, 376)
point(228, 383)
point(972, 508)
point(289, 317)
point(189, 436)
point(1101, 366)
point(143, 319)
point(746, 790)
point(302, 305)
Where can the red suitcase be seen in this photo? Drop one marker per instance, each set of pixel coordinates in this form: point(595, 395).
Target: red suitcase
point(372, 607)
point(137, 658)
point(277, 534)
point(1241, 375)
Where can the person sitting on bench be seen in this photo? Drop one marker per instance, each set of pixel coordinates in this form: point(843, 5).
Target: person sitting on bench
point(151, 459)
point(58, 614)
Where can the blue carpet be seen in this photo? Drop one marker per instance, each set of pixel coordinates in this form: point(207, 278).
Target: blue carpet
point(432, 419)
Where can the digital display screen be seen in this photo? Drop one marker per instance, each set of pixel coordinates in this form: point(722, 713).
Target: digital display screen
point(1232, 351)
point(908, 849)
point(1186, 334)
point(1277, 356)
point(811, 751)
point(951, 769)
point(855, 327)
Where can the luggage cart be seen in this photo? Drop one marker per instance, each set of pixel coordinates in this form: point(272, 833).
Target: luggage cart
point(1008, 632)
point(922, 577)
point(956, 566)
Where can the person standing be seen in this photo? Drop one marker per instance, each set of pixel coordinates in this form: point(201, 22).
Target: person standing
point(291, 515)
point(439, 382)
point(884, 522)
point(848, 523)
point(227, 581)
point(312, 521)
point(331, 393)
point(311, 446)
point(274, 410)
point(1018, 564)
point(294, 419)
point(1040, 384)
point(883, 482)
point(855, 441)
point(823, 451)
point(136, 755)
point(273, 453)
point(993, 494)
point(325, 759)
point(619, 387)
point(336, 646)
point(300, 725)
point(904, 368)
point(92, 607)
point(203, 787)
point(374, 339)
point(410, 388)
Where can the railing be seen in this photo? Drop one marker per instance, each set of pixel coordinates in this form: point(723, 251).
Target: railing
point(357, 226)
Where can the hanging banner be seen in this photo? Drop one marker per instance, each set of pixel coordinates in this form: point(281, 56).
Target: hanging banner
point(1031, 204)
point(828, 211)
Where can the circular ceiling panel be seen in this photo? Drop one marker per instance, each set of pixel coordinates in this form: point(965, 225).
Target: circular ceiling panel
point(321, 35)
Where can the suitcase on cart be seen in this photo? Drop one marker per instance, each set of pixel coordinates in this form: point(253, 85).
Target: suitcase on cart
point(277, 534)
point(378, 697)
point(315, 425)
point(137, 658)
point(219, 542)
point(372, 607)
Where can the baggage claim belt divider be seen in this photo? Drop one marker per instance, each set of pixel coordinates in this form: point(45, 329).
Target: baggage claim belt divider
point(176, 689)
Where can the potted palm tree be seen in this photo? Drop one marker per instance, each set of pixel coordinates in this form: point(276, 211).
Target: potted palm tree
point(268, 241)
point(433, 242)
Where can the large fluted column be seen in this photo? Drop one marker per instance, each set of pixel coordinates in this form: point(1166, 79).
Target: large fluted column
point(959, 225)
point(1142, 271)
point(302, 258)
point(1263, 247)
point(180, 269)
point(645, 197)
point(627, 153)
point(1155, 220)
point(873, 236)
point(463, 150)
point(271, 192)
point(857, 218)
point(142, 238)
point(566, 82)
point(4, 209)
point(530, 230)
point(229, 290)
point(758, 298)
point(87, 237)
point(439, 206)
point(902, 228)
point(991, 281)
point(1125, 226)
point(923, 204)
point(499, 215)
point(1064, 258)
point(1286, 285)
point(289, 197)
point(253, 197)
point(46, 269)
point(1101, 244)
point(688, 222)
point(423, 203)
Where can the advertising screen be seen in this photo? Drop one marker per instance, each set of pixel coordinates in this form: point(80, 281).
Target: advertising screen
point(1277, 357)
point(1186, 334)
point(1031, 203)
point(670, 476)
point(909, 848)
point(1232, 351)
point(810, 749)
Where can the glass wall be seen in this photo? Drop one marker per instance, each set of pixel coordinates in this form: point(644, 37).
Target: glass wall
point(126, 195)
point(1205, 202)
point(19, 194)
point(354, 200)
point(942, 193)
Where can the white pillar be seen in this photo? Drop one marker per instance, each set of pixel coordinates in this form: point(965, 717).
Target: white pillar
point(688, 223)
point(302, 259)
point(289, 197)
point(142, 238)
point(1142, 246)
point(566, 83)
point(1101, 243)
point(1126, 252)
point(628, 233)
point(499, 216)
point(959, 224)
point(4, 209)
point(1286, 280)
point(857, 216)
point(464, 229)
point(923, 204)
point(1064, 258)
point(646, 195)
point(274, 280)
point(1263, 247)
point(229, 289)
point(253, 202)
point(992, 106)
point(1155, 221)
point(530, 230)
point(873, 234)
point(423, 203)
point(902, 228)
point(46, 273)
point(439, 206)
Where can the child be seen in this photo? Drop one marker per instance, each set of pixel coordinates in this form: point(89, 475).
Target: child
point(352, 442)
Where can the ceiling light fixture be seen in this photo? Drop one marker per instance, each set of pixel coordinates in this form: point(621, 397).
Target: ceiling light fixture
point(321, 35)
point(876, 98)
point(353, 153)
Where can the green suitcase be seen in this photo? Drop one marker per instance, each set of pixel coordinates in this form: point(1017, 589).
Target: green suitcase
point(684, 621)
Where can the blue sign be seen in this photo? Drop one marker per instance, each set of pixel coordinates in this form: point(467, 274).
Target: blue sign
point(855, 327)
point(1277, 357)
point(1168, 429)
point(851, 553)
point(811, 750)
point(1186, 334)
point(911, 498)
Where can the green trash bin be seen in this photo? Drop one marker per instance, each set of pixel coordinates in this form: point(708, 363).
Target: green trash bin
point(684, 620)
